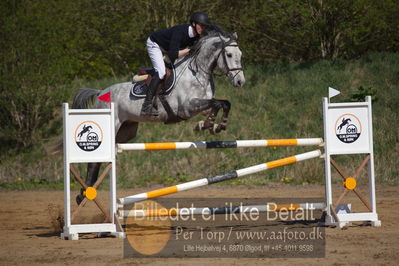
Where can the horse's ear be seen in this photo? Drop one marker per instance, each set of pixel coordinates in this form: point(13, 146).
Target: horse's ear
point(235, 36)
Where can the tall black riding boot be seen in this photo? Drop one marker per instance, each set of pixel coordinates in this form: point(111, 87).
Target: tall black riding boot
point(148, 109)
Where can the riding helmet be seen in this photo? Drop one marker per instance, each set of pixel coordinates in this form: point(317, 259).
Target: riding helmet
point(200, 17)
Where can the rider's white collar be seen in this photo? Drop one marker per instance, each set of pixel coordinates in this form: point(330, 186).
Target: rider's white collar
point(191, 32)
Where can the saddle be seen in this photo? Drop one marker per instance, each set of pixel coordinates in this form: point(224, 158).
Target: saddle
point(143, 78)
point(141, 82)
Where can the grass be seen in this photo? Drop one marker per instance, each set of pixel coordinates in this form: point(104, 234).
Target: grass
point(278, 101)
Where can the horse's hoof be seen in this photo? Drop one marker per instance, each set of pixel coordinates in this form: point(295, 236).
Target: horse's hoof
point(199, 126)
point(208, 124)
point(220, 128)
point(214, 130)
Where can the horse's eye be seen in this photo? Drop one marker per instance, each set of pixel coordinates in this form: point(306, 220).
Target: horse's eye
point(229, 55)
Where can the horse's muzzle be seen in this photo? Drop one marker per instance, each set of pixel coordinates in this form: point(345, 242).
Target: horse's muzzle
point(239, 80)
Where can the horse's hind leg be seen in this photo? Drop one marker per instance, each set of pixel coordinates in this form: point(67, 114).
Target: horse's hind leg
point(127, 131)
point(92, 173)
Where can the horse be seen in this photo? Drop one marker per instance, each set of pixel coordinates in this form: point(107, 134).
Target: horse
point(193, 93)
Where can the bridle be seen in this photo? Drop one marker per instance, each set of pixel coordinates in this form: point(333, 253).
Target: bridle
point(230, 43)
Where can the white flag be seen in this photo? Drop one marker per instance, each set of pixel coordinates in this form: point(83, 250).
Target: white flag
point(332, 92)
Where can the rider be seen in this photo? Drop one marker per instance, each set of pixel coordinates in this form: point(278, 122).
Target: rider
point(171, 41)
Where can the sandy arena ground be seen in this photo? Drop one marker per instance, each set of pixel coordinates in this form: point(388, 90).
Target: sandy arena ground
point(27, 231)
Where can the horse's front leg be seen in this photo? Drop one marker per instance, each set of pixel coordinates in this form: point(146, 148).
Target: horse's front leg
point(200, 105)
point(226, 105)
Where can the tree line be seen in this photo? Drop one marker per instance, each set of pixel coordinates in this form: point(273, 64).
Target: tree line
point(47, 44)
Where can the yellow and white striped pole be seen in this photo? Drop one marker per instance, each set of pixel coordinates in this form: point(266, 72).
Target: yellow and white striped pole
point(218, 144)
point(219, 178)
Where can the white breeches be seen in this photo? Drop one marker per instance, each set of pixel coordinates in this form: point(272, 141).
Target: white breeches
point(156, 56)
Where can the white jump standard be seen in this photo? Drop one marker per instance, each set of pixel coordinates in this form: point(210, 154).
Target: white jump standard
point(89, 136)
point(348, 129)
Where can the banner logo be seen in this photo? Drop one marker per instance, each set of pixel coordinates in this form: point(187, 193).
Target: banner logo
point(348, 128)
point(88, 136)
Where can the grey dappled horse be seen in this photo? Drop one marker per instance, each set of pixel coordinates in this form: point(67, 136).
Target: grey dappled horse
point(192, 94)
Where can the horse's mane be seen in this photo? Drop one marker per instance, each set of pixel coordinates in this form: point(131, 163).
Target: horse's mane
point(213, 30)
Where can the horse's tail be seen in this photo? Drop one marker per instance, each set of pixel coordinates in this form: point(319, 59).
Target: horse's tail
point(85, 98)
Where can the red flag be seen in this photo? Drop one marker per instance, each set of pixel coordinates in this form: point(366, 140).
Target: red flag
point(106, 97)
